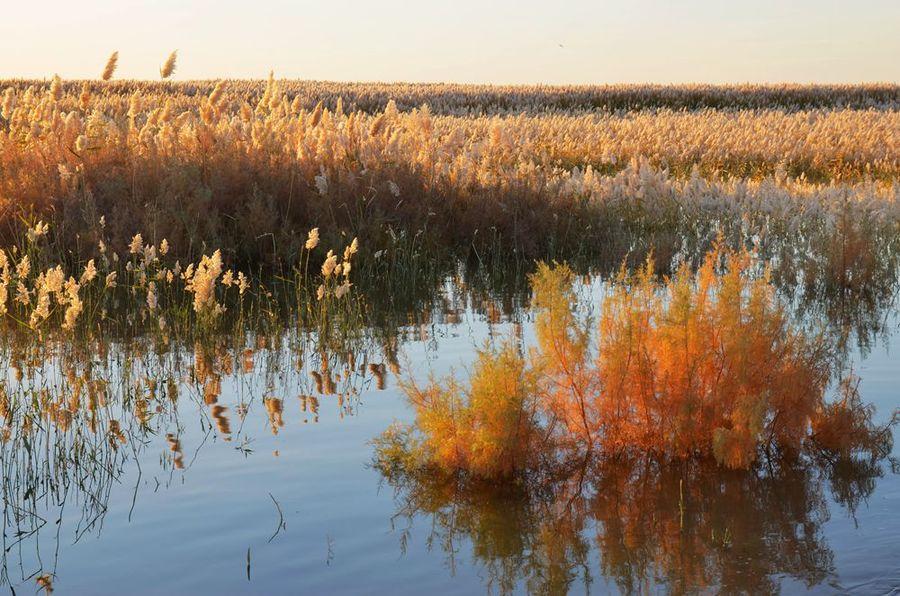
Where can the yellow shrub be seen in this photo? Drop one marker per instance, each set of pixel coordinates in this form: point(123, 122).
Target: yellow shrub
point(489, 428)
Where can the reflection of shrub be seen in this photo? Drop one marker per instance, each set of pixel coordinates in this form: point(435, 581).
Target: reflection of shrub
point(518, 530)
point(845, 426)
point(655, 525)
point(704, 364)
point(693, 525)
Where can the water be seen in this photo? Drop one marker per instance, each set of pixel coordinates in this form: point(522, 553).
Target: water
point(246, 502)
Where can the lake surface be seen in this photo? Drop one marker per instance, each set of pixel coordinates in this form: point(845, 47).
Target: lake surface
point(238, 471)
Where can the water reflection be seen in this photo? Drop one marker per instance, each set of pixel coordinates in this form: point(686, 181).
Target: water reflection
point(688, 526)
point(77, 417)
point(849, 283)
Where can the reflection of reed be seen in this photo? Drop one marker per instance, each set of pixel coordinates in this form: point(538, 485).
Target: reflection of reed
point(379, 372)
point(175, 448)
point(247, 361)
point(849, 281)
point(317, 377)
point(218, 412)
point(275, 411)
point(103, 406)
point(211, 390)
point(310, 403)
point(94, 405)
point(328, 382)
point(116, 436)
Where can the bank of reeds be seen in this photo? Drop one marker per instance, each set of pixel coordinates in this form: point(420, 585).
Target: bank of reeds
point(249, 169)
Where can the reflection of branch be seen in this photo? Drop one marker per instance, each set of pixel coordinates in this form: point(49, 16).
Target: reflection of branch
point(137, 482)
point(281, 524)
point(330, 554)
point(21, 535)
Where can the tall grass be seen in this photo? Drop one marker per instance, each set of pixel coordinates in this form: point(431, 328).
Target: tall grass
point(145, 289)
point(475, 100)
point(249, 169)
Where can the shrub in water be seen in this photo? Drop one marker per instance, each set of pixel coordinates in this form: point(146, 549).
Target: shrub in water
point(703, 364)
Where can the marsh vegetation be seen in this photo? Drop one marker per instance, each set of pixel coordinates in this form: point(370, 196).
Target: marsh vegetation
point(621, 337)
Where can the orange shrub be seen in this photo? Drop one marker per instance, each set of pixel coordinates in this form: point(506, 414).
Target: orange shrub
point(708, 364)
point(568, 383)
point(704, 364)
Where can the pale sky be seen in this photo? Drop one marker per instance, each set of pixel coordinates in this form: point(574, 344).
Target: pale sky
point(481, 41)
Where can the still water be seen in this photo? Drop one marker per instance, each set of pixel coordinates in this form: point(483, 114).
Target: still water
point(248, 470)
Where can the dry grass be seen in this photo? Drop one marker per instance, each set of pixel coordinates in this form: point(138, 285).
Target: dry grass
point(466, 99)
point(249, 168)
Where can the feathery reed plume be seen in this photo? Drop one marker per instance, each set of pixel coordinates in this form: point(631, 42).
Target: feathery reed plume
point(378, 125)
point(316, 115)
point(84, 99)
point(168, 68)
point(312, 240)
point(110, 67)
point(9, 102)
point(216, 96)
point(56, 88)
point(134, 105)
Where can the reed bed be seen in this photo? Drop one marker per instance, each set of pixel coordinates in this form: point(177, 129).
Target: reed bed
point(466, 99)
point(251, 170)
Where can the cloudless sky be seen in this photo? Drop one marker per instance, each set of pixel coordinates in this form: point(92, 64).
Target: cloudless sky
point(484, 41)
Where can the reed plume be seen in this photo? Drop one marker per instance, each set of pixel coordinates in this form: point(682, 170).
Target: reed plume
point(110, 67)
point(216, 96)
point(9, 102)
point(56, 88)
point(168, 68)
point(85, 98)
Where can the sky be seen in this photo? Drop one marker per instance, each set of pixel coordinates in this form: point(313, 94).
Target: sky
point(469, 41)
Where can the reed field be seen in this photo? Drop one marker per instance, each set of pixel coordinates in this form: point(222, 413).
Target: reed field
point(665, 296)
point(249, 168)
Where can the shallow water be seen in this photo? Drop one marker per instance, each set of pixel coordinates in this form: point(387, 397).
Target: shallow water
point(253, 500)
